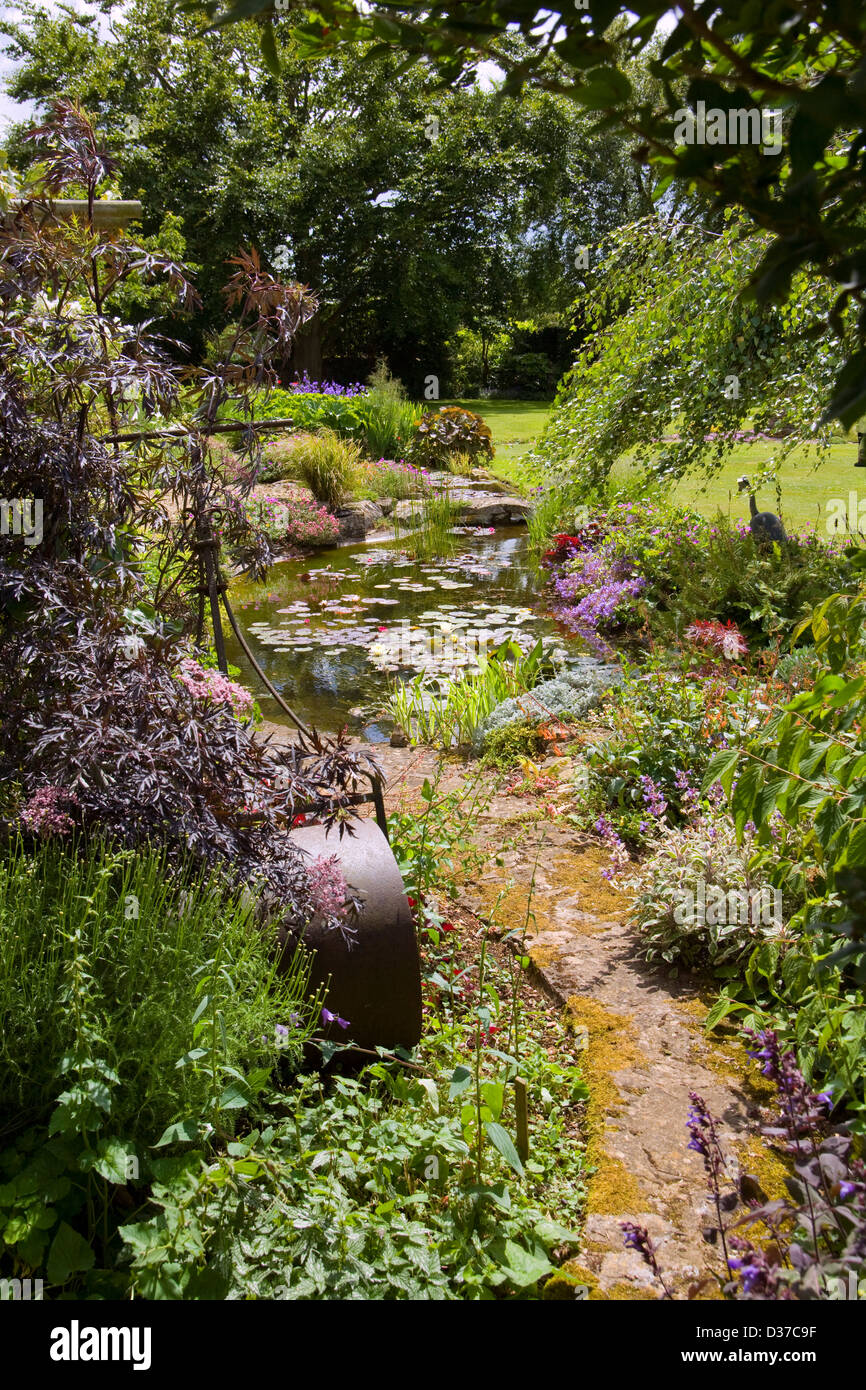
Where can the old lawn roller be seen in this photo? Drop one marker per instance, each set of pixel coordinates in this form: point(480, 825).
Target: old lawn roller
point(375, 978)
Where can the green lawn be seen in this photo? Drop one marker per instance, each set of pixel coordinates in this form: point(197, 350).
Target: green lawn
point(806, 491)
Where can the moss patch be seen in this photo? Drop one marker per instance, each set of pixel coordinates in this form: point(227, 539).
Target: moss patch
point(581, 894)
point(611, 1046)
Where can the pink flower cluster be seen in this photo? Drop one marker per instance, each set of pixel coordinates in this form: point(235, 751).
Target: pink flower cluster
point(44, 815)
point(295, 520)
point(724, 638)
point(204, 684)
point(328, 887)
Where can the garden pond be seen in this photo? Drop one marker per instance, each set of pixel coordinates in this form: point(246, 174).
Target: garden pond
point(333, 631)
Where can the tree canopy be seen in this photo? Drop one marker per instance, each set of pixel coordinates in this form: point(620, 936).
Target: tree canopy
point(410, 208)
point(805, 61)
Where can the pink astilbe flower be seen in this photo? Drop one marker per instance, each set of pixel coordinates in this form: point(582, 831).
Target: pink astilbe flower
point(204, 684)
point(43, 814)
point(329, 890)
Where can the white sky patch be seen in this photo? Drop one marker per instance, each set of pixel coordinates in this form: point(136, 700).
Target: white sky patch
point(11, 111)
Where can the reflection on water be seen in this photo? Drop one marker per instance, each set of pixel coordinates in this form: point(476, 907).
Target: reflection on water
point(333, 631)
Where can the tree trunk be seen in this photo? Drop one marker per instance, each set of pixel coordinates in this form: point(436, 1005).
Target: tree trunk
point(307, 350)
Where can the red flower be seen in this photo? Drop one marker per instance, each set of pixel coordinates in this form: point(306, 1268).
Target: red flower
point(448, 926)
point(299, 820)
point(410, 901)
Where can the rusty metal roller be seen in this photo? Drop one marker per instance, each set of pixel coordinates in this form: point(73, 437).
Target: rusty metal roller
point(375, 982)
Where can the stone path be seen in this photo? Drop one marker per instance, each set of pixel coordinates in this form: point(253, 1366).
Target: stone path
point(645, 1049)
point(645, 1046)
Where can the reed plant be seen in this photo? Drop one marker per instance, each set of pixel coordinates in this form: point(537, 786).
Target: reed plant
point(447, 712)
point(432, 521)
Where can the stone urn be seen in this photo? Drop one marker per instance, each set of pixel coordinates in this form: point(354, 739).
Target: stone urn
point(375, 983)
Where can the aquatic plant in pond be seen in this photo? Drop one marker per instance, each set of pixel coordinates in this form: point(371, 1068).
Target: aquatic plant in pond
point(432, 535)
point(450, 712)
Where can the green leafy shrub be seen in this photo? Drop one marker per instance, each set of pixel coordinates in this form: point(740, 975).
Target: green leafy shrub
point(801, 780)
point(312, 411)
point(141, 1012)
point(449, 432)
point(664, 725)
point(649, 561)
point(505, 747)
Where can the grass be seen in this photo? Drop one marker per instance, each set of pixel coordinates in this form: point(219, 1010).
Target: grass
point(806, 491)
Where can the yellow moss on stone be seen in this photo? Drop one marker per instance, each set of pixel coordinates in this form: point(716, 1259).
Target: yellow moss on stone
point(543, 956)
point(579, 885)
point(614, 1191)
point(761, 1162)
point(611, 1046)
point(578, 1274)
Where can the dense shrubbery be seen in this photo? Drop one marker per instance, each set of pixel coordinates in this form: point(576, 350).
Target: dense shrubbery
point(734, 784)
point(378, 418)
point(168, 1141)
point(639, 566)
point(141, 1011)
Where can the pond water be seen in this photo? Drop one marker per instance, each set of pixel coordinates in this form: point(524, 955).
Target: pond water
point(335, 630)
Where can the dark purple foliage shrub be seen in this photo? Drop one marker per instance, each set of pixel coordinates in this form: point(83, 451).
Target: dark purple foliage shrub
point(90, 650)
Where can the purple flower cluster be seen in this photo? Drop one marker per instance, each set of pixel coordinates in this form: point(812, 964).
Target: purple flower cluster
point(803, 1110)
point(328, 1017)
point(817, 1241)
point(652, 797)
point(596, 591)
point(619, 853)
point(303, 386)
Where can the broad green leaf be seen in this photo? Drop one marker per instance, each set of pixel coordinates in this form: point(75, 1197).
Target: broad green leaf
point(69, 1254)
point(501, 1141)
